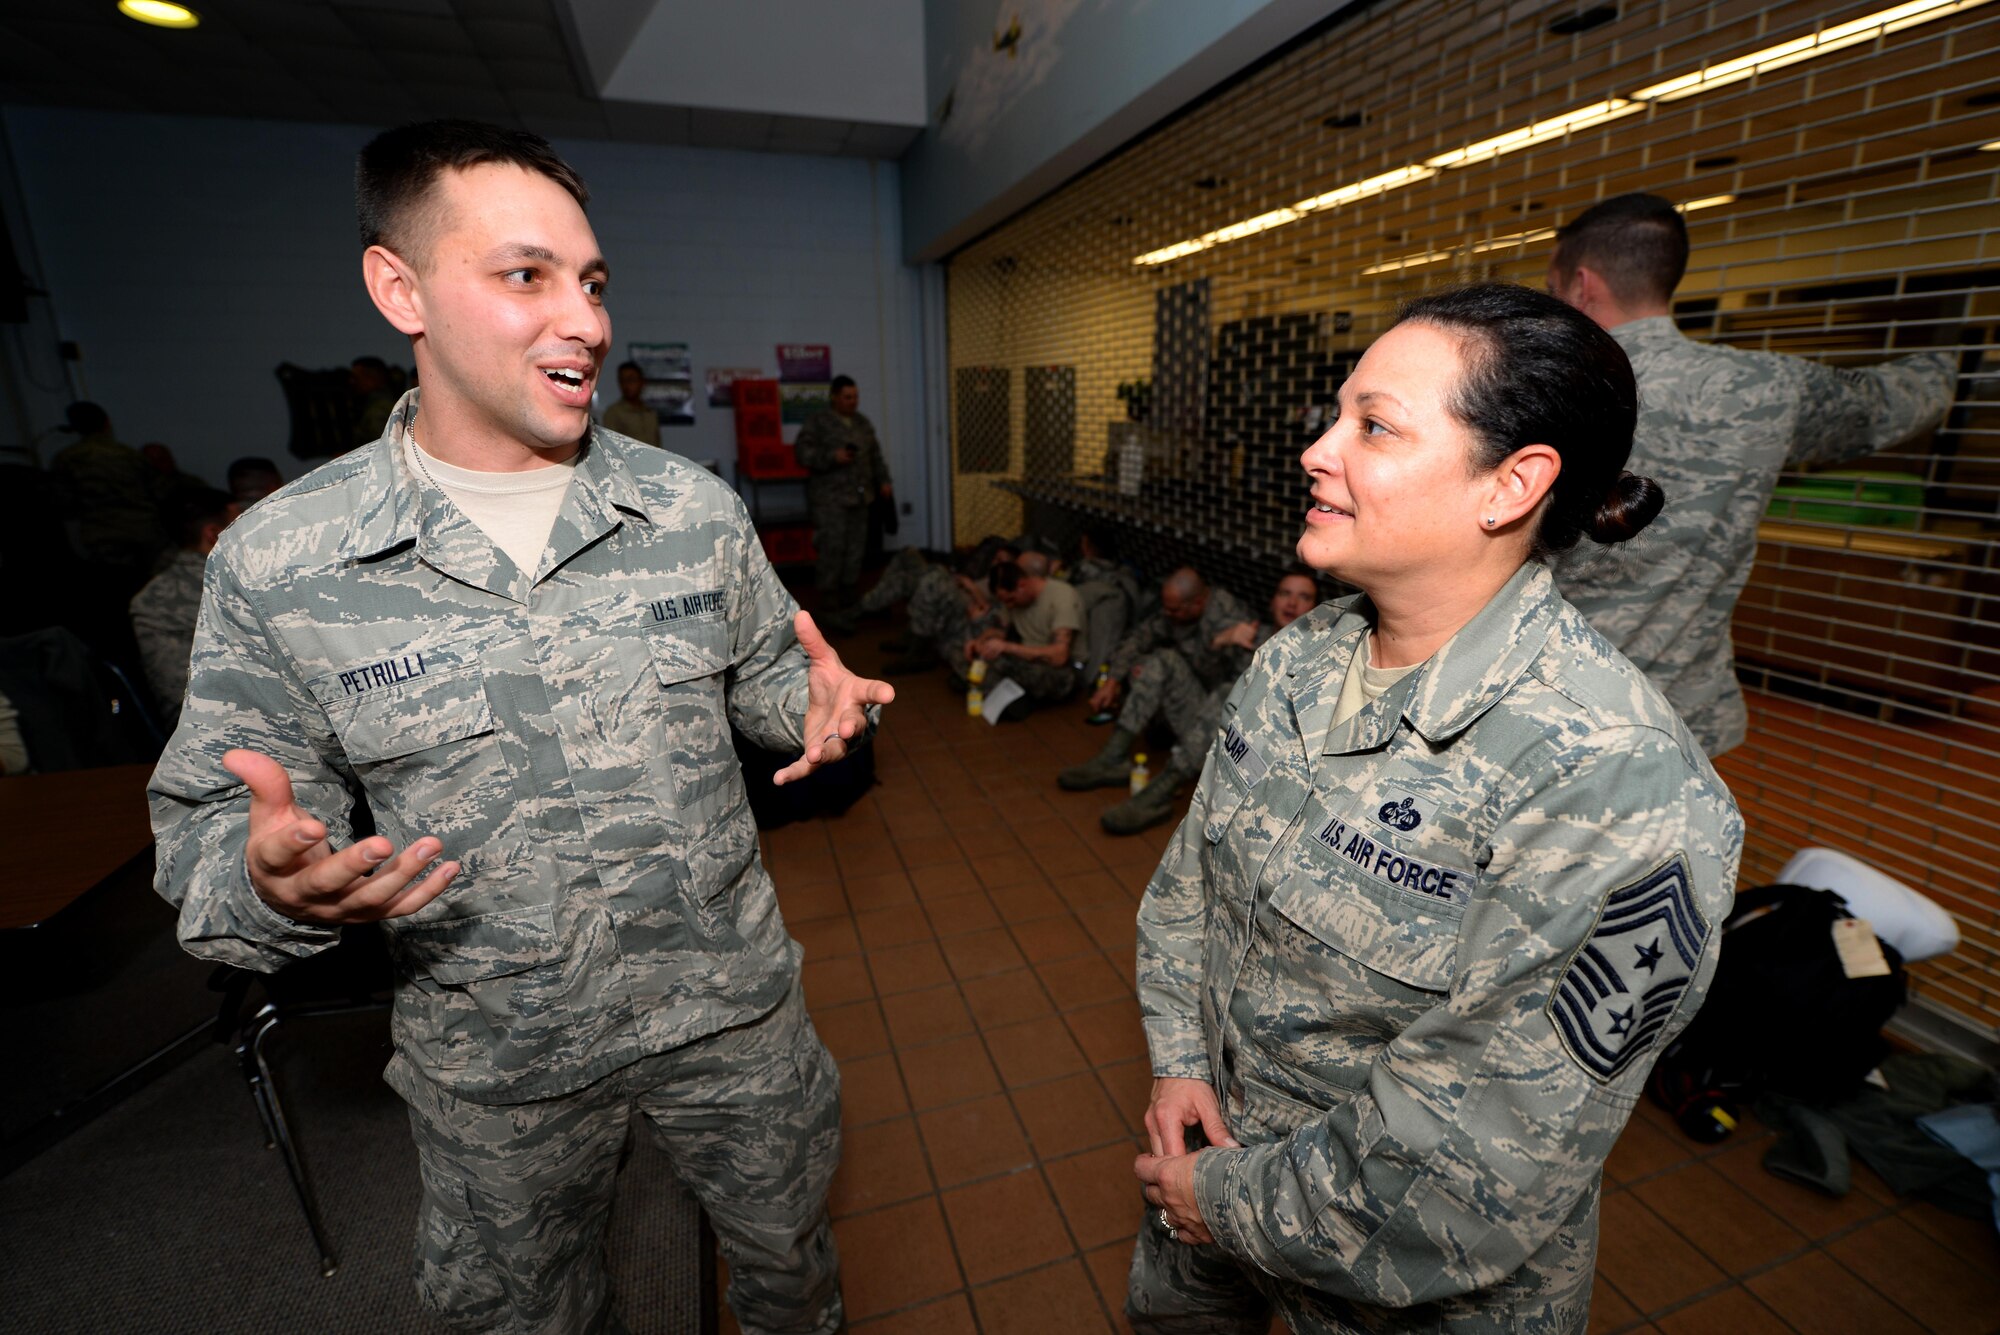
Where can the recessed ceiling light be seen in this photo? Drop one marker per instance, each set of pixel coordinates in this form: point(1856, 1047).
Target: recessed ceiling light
point(1707, 202)
point(1993, 147)
point(1584, 20)
point(1348, 121)
point(159, 13)
point(1716, 160)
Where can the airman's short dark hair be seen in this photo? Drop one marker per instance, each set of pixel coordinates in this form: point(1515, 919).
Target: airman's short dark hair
point(1637, 243)
point(398, 170)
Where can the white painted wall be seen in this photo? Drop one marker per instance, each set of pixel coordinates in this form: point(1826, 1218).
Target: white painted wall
point(189, 257)
point(858, 60)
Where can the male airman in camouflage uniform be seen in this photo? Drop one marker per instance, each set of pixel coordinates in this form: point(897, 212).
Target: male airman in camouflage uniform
point(838, 448)
point(1111, 598)
point(113, 494)
point(1032, 646)
point(1716, 426)
point(946, 607)
point(1425, 959)
point(605, 942)
point(1173, 666)
point(164, 612)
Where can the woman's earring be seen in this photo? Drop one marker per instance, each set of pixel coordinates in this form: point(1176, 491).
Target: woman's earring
point(1489, 521)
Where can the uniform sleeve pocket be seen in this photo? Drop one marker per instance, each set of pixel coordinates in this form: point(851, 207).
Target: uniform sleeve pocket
point(1226, 795)
point(455, 951)
point(1416, 948)
point(447, 709)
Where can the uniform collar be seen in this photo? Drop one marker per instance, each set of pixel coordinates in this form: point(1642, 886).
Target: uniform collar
point(1651, 329)
point(400, 509)
point(1461, 681)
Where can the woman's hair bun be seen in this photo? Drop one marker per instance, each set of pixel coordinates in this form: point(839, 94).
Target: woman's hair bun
point(1629, 507)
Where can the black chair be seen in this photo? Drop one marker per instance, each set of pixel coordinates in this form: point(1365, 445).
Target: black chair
point(353, 976)
point(78, 710)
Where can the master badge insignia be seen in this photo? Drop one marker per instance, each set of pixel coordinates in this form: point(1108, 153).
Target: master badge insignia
point(1404, 811)
point(1622, 985)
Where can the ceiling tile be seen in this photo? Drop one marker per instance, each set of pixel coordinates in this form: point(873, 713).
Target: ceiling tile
point(520, 11)
point(438, 71)
point(262, 21)
point(438, 8)
point(526, 41)
point(412, 34)
point(547, 76)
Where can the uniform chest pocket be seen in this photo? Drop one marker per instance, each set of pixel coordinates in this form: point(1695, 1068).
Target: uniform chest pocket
point(689, 653)
point(691, 663)
point(431, 711)
point(1397, 940)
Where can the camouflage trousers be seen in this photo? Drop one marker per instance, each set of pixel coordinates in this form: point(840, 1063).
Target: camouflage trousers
point(1045, 683)
point(1107, 614)
point(1175, 1289)
point(1162, 685)
point(840, 533)
point(510, 1234)
point(898, 581)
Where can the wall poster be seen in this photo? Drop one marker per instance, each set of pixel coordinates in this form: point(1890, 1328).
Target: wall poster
point(669, 372)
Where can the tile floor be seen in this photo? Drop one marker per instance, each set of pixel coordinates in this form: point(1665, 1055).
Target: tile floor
point(968, 932)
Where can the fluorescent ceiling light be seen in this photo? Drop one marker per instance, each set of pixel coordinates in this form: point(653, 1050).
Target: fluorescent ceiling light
point(1827, 40)
point(1517, 239)
point(1487, 247)
point(1813, 45)
point(1402, 262)
point(1597, 113)
point(1264, 222)
point(159, 13)
point(1173, 252)
point(1374, 185)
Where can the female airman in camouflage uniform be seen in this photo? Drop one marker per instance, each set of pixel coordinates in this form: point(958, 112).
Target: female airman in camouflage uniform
point(1450, 881)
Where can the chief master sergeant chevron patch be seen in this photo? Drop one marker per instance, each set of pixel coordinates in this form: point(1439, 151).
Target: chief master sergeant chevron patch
point(1622, 984)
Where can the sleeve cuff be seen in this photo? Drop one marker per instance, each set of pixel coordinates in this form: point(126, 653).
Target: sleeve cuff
point(1216, 1176)
point(1177, 1049)
point(268, 925)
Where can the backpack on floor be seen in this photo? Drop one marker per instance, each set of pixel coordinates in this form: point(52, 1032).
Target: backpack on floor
point(1783, 1014)
point(827, 791)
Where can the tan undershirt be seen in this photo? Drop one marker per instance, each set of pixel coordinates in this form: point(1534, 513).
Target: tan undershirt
point(1365, 682)
point(517, 510)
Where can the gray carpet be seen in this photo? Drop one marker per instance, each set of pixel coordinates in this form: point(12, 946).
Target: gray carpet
point(167, 1214)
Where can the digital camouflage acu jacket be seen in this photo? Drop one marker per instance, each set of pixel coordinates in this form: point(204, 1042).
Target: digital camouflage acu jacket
point(565, 734)
point(1716, 425)
point(833, 483)
point(1194, 641)
point(1428, 957)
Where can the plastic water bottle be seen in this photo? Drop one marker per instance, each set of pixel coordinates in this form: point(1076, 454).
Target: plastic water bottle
point(1141, 776)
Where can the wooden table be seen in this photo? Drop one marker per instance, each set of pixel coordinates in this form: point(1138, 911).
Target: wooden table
point(65, 833)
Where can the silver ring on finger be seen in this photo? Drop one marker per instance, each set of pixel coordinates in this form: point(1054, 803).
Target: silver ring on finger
point(1173, 1234)
point(1161, 1222)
